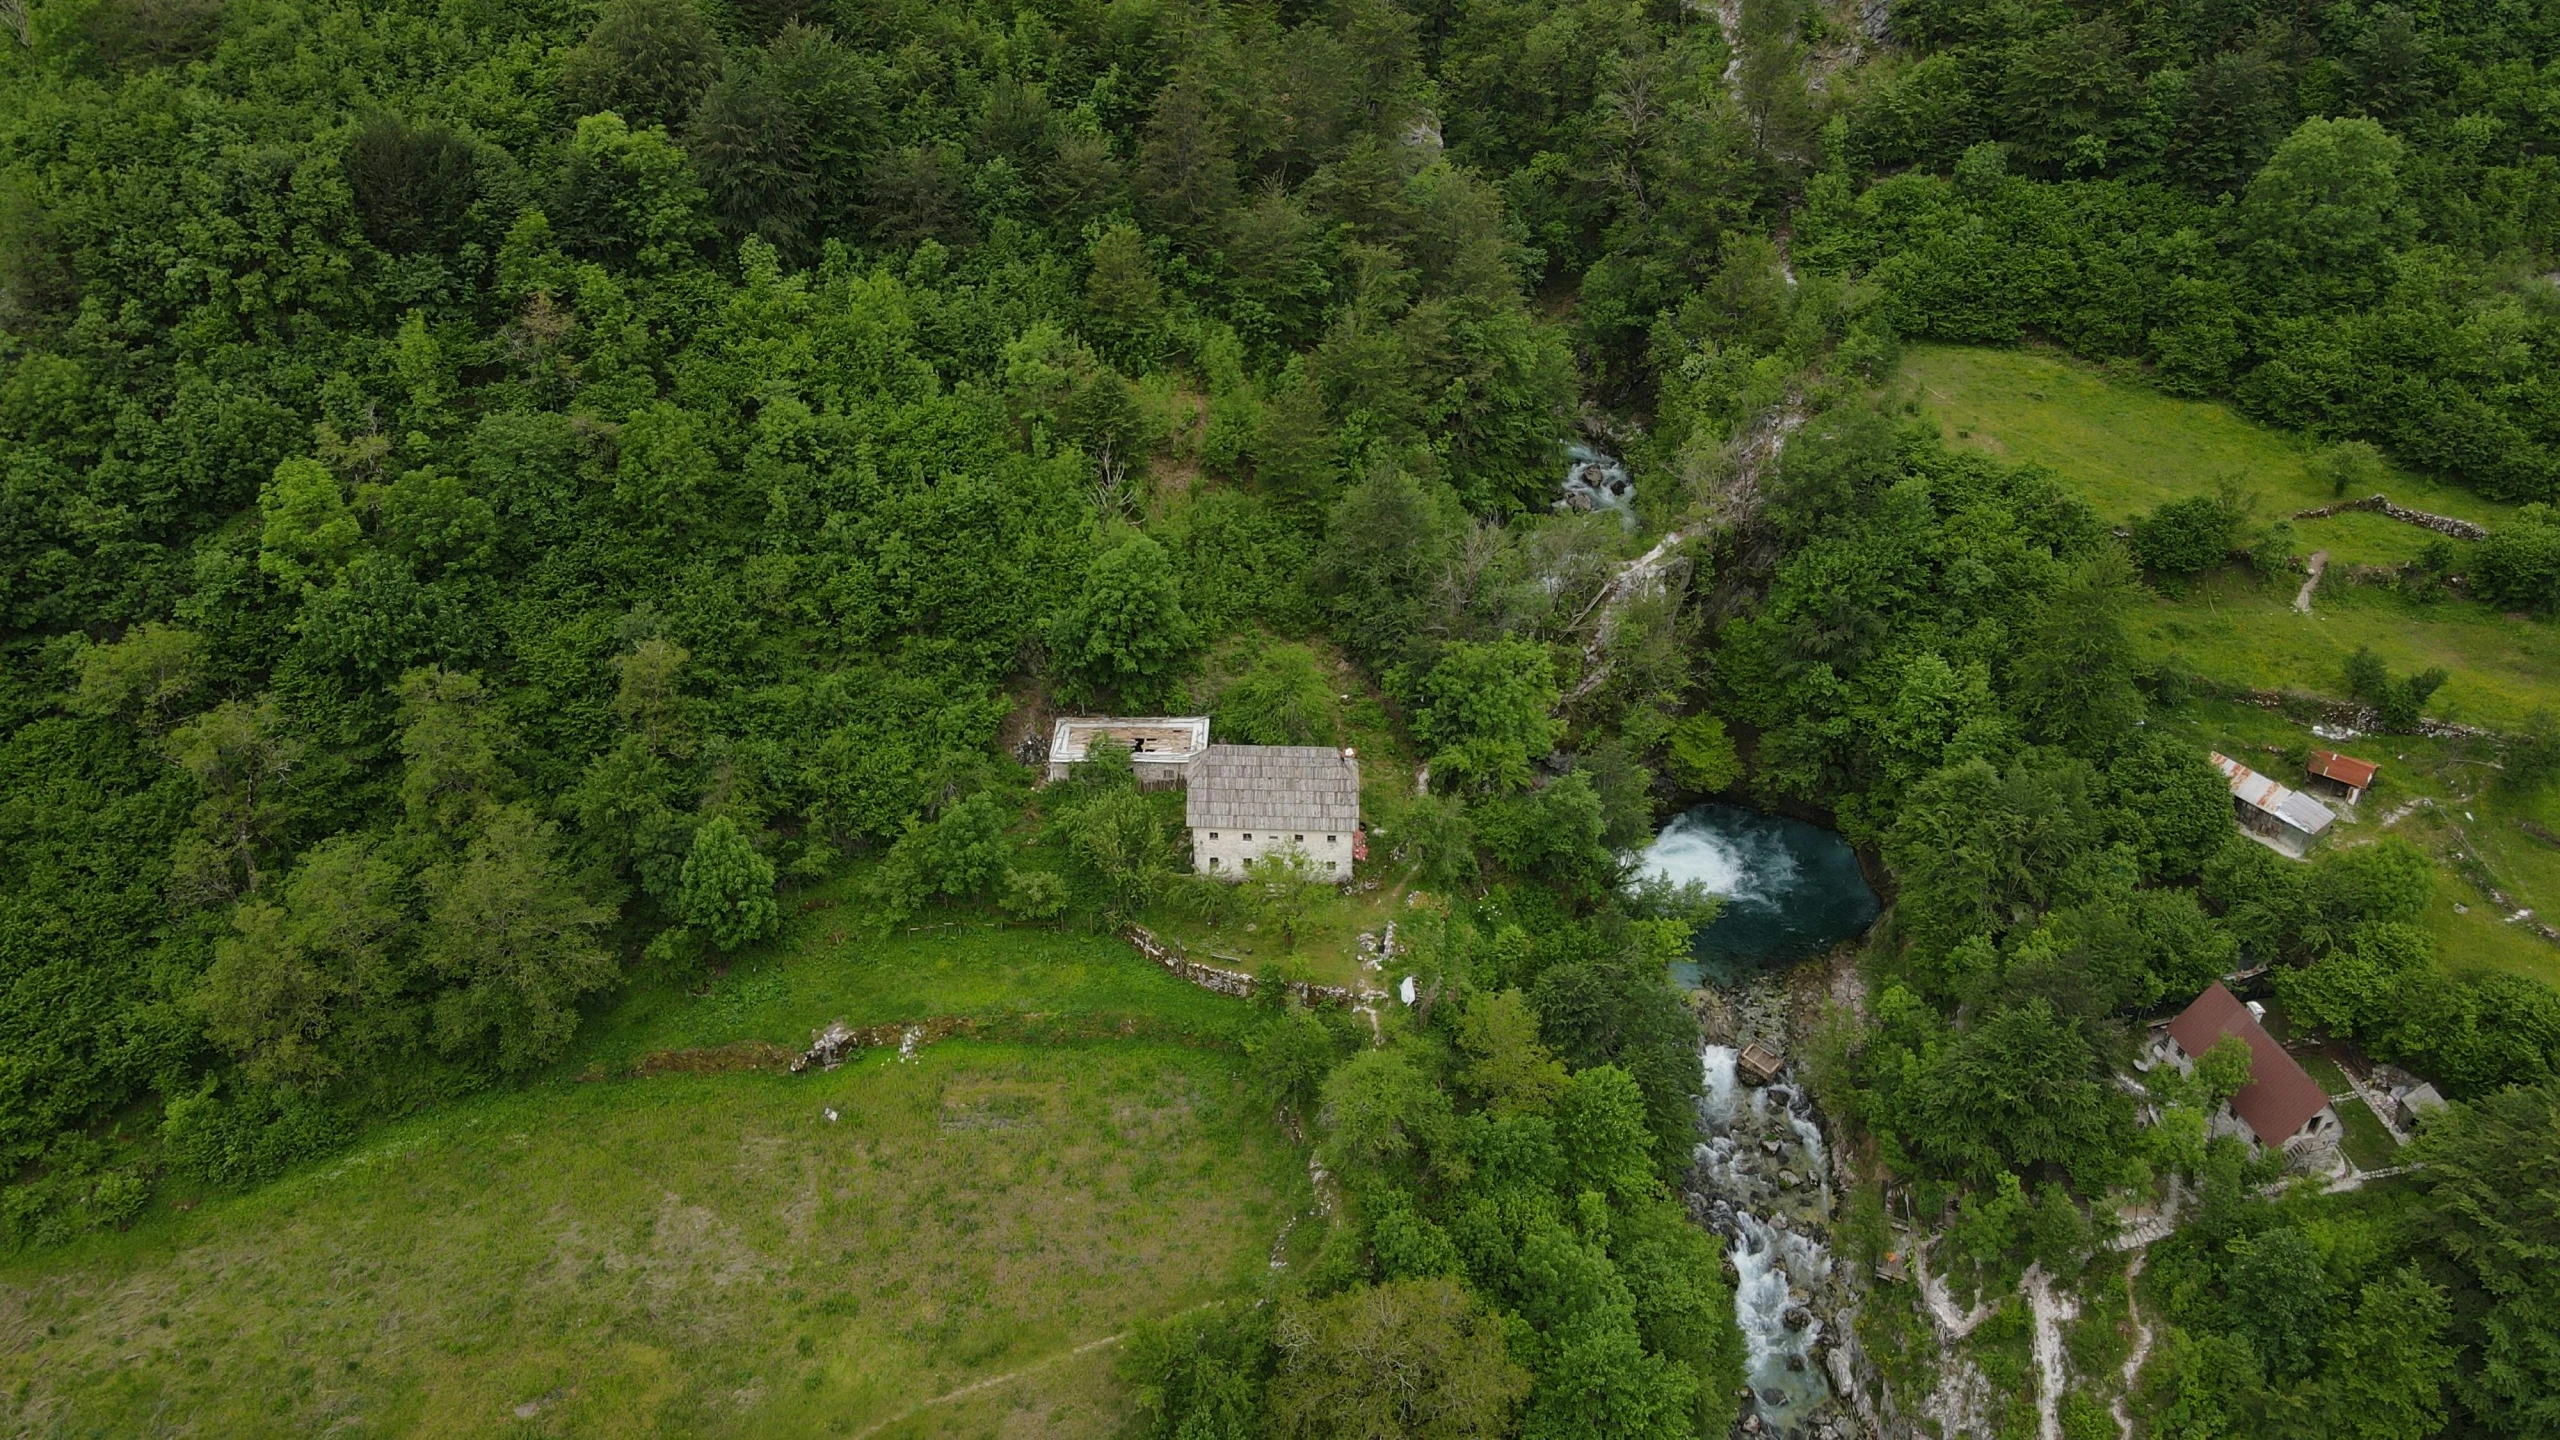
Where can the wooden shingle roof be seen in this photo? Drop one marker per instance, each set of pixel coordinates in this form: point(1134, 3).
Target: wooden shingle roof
point(1274, 787)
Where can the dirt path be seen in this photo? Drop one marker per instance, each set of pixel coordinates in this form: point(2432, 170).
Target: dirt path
point(2051, 1309)
point(991, 1382)
point(976, 1387)
point(2318, 562)
point(1953, 1324)
point(2141, 1343)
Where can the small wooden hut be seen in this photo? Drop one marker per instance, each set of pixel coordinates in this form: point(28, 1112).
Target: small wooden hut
point(1759, 1064)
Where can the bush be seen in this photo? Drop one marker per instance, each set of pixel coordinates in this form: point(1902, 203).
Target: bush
point(2183, 537)
point(1701, 755)
point(2518, 566)
point(119, 1196)
point(2354, 468)
point(1033, 894)
point(253, 1136)
point(726, 890)
point(1285, 699)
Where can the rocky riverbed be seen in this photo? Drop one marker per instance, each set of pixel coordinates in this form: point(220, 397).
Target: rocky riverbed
point(1764, 1180)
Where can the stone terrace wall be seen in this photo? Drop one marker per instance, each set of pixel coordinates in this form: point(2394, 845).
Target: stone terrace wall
point(1224, 981)
point(2441, 524)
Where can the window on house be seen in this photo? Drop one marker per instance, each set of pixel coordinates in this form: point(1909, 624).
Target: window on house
point(1248, 835)
point(1329, 864)
point(1332, 839)
point(1213, 834)
point(1297, 839)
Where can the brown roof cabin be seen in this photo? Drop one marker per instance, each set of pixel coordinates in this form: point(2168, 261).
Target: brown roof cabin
point(2341, 775)
point(2281, 1107)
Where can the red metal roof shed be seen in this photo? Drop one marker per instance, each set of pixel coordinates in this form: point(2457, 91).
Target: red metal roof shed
point(2345, 769)
point(2281, 1096)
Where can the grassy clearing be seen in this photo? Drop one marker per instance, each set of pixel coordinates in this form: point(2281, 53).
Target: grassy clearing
point(1328, 941)
point(2124, 448)
point(2324, 1072)
point(687, 1254)
point(2365, 1139)
point(2232, 628)
point(829, 964)
point(708, 1254)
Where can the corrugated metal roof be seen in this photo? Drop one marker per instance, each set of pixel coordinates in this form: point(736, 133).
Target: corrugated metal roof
point(2345, 769)
point(2281, 1096)
point(1274, 787)
point(2291, 806)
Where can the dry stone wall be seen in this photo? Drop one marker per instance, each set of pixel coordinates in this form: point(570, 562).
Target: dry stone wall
point(1222, 980)
point(2441, 524)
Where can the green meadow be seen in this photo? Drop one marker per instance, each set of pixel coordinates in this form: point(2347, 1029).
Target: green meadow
point(599, 1254)
point(2124, 448)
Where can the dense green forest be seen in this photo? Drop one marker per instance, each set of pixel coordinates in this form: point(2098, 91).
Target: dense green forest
point(496, 499)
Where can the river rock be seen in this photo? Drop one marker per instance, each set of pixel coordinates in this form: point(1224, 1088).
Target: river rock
point(1787, 1178)
point(1796, 1317)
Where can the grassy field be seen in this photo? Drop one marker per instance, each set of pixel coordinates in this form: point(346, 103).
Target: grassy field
point(827, 966)
point(1328, 940)
point(2232, 628)
point(2125, 448)
point(710, 1253)
point(2366, 1141)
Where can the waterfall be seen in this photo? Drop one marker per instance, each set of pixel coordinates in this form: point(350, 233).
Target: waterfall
point(1765, 1185)
point(1593, 481)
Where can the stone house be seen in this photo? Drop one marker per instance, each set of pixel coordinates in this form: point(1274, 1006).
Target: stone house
point(1161, 747)
point(1249, 801)
point(2281, 1107)
point(2288, 821)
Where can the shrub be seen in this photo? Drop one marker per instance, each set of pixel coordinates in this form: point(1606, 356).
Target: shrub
point(1033, 894)
point(2518, 566)
point(726, 890)
point(1701, 755)
point(2183, 537)
point(252, 1136)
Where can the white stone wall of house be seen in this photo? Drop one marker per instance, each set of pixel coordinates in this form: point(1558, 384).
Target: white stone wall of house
point(2319, 1134)
point(1224, 853)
